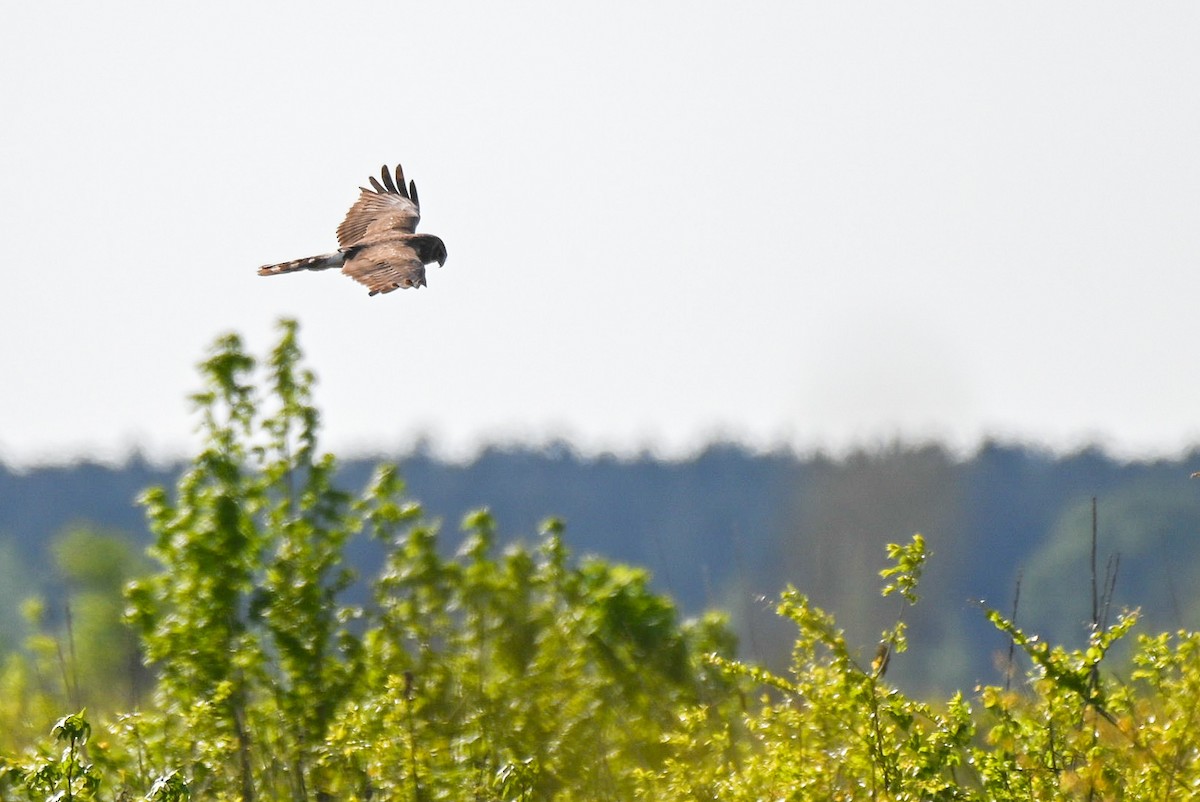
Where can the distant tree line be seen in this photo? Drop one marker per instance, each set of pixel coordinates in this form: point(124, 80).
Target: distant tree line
point(728, 528)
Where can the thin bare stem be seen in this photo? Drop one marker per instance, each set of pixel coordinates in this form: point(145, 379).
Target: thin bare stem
point(1095, 594)
point(1012, 643)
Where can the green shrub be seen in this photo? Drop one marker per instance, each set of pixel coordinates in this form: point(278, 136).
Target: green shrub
point(521, 675)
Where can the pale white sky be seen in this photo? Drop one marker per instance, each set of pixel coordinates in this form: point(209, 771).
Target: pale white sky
point(810, 223)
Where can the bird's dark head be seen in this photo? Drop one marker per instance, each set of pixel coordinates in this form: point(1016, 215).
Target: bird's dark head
point(429, 248)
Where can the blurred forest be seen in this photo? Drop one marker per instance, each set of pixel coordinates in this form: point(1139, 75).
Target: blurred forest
point(726, 529)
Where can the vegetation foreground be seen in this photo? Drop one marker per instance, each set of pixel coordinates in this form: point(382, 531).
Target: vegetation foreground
point(523, 675)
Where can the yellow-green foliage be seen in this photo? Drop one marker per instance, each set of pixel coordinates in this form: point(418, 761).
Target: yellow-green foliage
point(523, 675)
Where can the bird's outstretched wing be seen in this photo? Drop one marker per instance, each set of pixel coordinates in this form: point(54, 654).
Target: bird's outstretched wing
point(389, 208)
point(387, 266)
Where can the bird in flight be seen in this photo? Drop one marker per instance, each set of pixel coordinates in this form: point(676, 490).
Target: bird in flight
point(378, 243)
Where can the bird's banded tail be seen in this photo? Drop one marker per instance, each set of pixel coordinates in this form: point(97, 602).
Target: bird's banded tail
point(324, 262)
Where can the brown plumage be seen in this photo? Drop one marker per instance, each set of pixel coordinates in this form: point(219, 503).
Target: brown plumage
point(378, 243)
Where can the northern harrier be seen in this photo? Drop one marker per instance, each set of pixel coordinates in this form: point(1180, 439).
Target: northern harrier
point(377, 242)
